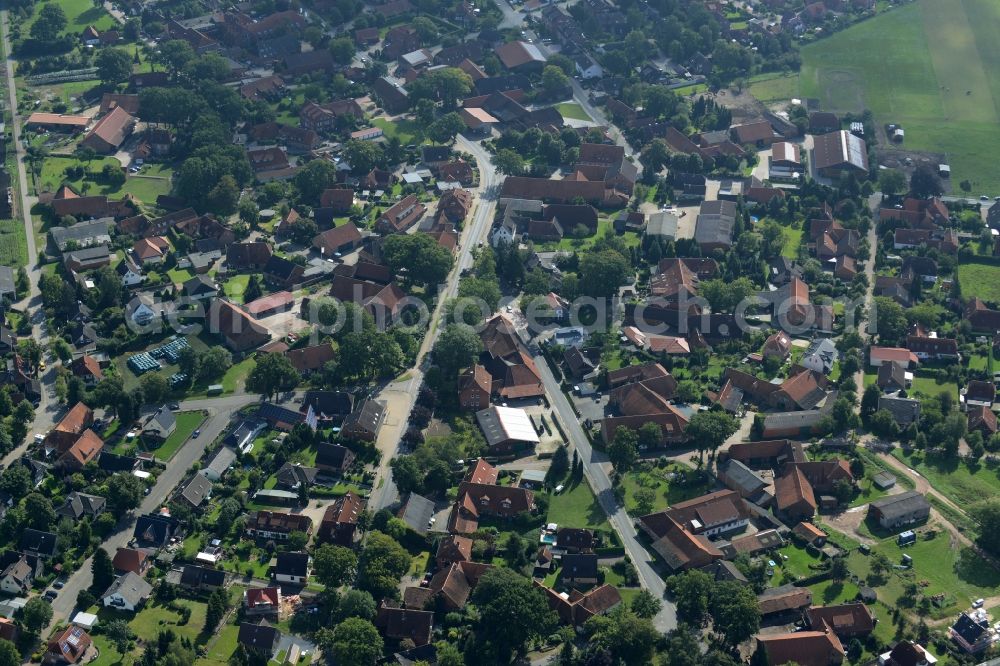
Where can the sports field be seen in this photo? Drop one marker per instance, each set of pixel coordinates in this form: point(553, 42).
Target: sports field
point(932, 66)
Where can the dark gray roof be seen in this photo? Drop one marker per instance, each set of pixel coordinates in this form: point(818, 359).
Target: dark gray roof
point(291, 475)
point(131, 587)
point(258, 637)
point(742, 477)
point(197, 489)
point(36, 541)
point(7, 284)
point(715, 223)
point(417, 512)
point(83, 233)
point(894, 506)
point(904, 410)
point(78, 505)
point(193, 576)
point(221, 461)
point(579, 565)
point(292, 564)
point(86, 254)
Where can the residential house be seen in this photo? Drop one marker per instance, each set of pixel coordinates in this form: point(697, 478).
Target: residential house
point(983, 419)
point(806, 648)
point(404, 623)
point(904, 411)
point(81, 505)
point(132, 560)
point(821, 356)
point(401, 216)
point(292, 568)
point(82, 234)
point(520, 56)
point(248, 256)
point(365, 421)
point(129, 272)
point(128, 592)
point(892, 378)
point(576, 607)
point(479, 499)
point(680, 534)
point(474, 387)
point(851, 620)
point(978, 393)
point(453, 549)
point(276, 525)
point(340, 520)
point(202, 578)
point(904, 357)
point(18, 572)
point(154, 530)
point(310, 359)
point(337, 241)
point(505, 357)
point(197, 490)
point(972, 632)
point(777, 346)
point(239, 330)
point(258, 601)
point(151, 250)
point(293, 476)
point(160, 425)
point(259, 639)
point(219, 464)
point(579, 569)
point(85, 449)
point(87, 368)
point(38, 543)
point(68, 646)
point(283, 273)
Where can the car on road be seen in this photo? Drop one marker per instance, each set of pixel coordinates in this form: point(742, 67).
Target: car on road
point(983, 197)
point(59, 584)
point(41, 364)
point(51, 594)
point(174, 406)
point(195, 434)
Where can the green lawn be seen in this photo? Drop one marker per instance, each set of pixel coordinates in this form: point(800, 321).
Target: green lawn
point(408, 131)
point(929, 387)
point(179, 275)
point(146, 625)
point(793, 239)
point(54, 175)
point(799, 564)
point(938, 568)
point(576, 506)
point(222, 648)
point(572, 111)
point(961, 482)
point(146, 188)
point(187, 422)
point(931, 66)
point(666, 492)
point(981, 279)
point(235, 286)
point(828, 592)
point(79, 15)
point(775, 88)
point(571, 244)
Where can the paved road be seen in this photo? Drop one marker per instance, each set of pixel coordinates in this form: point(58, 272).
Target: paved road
point(48, 410)
point(400, 395)
point(220, 411)
point(601, 484)
point(863, 326)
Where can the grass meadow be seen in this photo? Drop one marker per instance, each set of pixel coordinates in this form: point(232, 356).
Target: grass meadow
point(932, 66)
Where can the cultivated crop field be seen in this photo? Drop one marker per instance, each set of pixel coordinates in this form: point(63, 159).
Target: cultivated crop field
point(932, 66)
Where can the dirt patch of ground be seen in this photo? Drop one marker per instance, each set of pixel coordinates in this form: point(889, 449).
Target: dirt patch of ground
point(743, 105)
point(896, 156)
point(848, 523)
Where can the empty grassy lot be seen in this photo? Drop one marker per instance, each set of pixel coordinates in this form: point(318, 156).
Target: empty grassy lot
point(572, 111)
point(79, 15)
point(981, 279)
point(931, 66)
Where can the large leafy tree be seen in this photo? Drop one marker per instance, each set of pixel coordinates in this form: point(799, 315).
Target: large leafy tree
point(511, 611)
point(418, 257)
point(272, 374)
point(735, 613)
point(709, 430)
point(457, 347)
point(334, 565)
point(603, 272)
point(356, 642)
point(50, 22)
point(382, 564)
point(113, 66)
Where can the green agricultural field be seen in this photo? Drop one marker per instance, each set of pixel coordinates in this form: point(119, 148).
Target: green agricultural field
point(572, 111)
point(932, 66)
point(13, 244)
point(775, 88)
point(980, 279)
point(961, 482)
